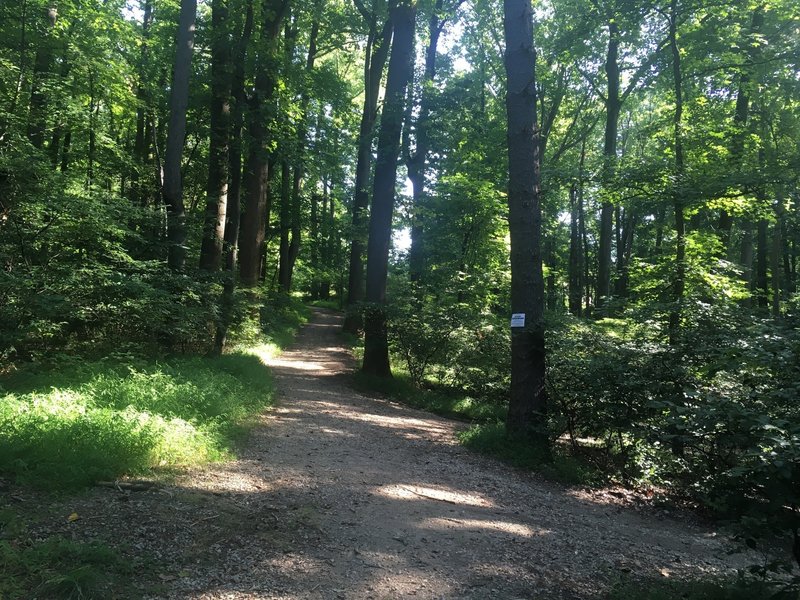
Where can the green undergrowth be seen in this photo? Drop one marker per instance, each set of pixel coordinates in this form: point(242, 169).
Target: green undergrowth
point(101, 420)
point(57, 567)
point(492, 439)
point(435, 399)
point(739, 588)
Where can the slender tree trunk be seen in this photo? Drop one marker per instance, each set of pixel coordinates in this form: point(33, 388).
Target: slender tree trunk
point(777, 254)
point(217, 186)
point(575, 255)
point(762, 254)
point(740, 117)
point(233, 209)
point(141, 142)
point(374, 61)
point(285, 227)
point(416, 162)
point(376, 344)
point(679, 281)
point(172, 189)
point(528, 402)
point(613, 106)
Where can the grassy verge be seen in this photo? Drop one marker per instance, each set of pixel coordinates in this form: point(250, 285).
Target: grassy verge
point(65, 430)
point(65, 427)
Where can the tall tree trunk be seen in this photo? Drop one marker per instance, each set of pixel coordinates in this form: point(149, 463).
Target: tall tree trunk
point(740, 117)
point(376, 344)
point(141, 142)
point(233, 209)
point(528, 402)
point(257, 170)
point(37, 117)
point(762, 254)
point(416, 161)
point(777, 254)
point(285, 227)
point(217, 185)
point(679, 281)
point(575, 255)
point(613, 106)
point(172, 190)
point(374, 61)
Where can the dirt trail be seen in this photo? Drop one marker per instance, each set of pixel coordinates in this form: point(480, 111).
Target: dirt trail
point(339, 495)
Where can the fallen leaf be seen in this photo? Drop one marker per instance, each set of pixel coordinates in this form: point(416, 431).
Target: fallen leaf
point(73, 517)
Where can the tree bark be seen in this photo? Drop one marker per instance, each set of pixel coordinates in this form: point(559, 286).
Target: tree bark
point(233, 209)
point(172, 189)
point(37, 117)
point(613, 106)
point(376, 344)
point(527, 407)
point(374, 61)
point(257, 169)
point(416, 161)
point(217, 185)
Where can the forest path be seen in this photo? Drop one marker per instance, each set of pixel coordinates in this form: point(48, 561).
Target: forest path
point(338, 495)
point(350, 496)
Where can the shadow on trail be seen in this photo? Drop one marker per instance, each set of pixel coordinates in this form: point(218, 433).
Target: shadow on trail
point(356, 497)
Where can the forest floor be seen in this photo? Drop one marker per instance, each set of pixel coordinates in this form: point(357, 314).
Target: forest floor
point(337, 494)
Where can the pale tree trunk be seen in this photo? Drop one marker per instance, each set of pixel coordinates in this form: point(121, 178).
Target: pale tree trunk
point(172, 189)
point(527, 407)
point(376, 344)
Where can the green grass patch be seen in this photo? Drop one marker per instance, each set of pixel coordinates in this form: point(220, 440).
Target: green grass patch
point(66, 429)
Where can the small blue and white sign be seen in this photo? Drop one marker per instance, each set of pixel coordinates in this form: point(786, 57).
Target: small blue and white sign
point(518, 320)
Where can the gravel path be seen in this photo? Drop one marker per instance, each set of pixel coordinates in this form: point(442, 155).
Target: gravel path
point(340, 495)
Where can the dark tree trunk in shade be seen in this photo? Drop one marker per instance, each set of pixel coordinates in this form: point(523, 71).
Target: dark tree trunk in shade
point(257, 169)
point(416, 162)
point(172, 189)
point(376, 344)
point(762, 254)
point(233, 209)
point(374, 61)
point(575, 255)
point(141, 142)
point(285, 224)
point(613, 105)
point(37, 117)
point(217, 185)
point(528, 401)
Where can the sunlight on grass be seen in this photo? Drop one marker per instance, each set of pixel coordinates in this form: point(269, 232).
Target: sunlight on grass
point(112, 420)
